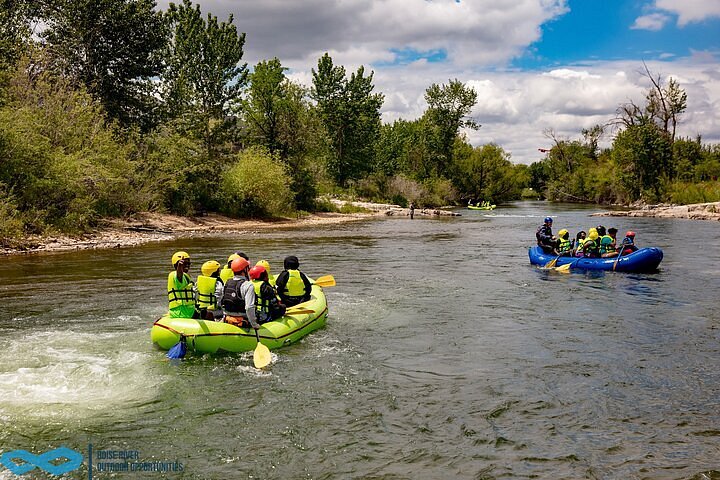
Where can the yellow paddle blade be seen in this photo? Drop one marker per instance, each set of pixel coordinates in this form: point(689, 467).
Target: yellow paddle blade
point(326, 281)
point(564, 268)
point(551, 263)
point(261, 356)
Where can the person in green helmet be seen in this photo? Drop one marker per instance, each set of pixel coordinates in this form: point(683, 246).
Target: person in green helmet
point(181, 295)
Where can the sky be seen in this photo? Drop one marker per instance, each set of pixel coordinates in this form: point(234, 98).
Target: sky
point(538, 66)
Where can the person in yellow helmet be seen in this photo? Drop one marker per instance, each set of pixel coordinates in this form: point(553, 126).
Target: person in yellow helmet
point(591, 247)
point(579, 240)
point(209, 290)
point(565, 245)
point(180, 288)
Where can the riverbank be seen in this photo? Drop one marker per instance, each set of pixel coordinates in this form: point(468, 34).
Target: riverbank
point(156, 227)
point(697, 211)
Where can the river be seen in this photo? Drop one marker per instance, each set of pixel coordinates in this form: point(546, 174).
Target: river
point(445, 355)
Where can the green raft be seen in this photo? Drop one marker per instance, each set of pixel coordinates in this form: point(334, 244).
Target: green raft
point(487, 207)
point(207, 336)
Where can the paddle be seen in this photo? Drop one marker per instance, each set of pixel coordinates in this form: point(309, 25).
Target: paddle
point(325, 281)
point(618, 257)
point(566, 268)
point(261, 355)
point(178, 350)
point(552, 263)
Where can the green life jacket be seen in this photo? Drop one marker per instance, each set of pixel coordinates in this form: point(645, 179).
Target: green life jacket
point(565, 245)
point(206, 292)
point(590, 248)
point(606, 242)
point(261, 304)
point(180, 294)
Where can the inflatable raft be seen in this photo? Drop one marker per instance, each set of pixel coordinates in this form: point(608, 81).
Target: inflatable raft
point(642, 260)
point(489, 207)
point(207, 336)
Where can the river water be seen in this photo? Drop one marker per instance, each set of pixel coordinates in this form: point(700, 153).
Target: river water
point(445, 355)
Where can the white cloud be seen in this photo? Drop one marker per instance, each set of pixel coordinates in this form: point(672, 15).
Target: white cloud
point(689, 11)
point(514, 107)
point(652, 22)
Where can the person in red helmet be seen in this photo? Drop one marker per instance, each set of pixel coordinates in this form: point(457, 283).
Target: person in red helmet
point(628, 243)
point(268, 307)
point(238, 300)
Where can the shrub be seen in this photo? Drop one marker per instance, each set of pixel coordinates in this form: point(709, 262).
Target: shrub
point(685, 192)
point(257, 185)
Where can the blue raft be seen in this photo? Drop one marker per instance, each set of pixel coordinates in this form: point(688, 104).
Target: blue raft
point(642, 260)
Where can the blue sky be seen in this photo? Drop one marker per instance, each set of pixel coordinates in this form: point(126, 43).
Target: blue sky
point(603, 30)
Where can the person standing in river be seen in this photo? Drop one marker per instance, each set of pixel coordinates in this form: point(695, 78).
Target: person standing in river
point(412, 210)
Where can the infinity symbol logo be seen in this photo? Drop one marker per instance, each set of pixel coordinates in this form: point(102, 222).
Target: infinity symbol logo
point(30, 461)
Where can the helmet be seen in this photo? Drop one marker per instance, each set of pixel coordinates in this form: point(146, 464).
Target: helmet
point(239, 264)
point(601, 230)
point(591, 230)
point(563, 233)
point(593, 234)
point(265, 264)
point(630, 234)
point(242, 255)
point(232, 257)
point(548, 219)
point(209, 267)
point(291, 263)
point(256, 272)
point(177, 256)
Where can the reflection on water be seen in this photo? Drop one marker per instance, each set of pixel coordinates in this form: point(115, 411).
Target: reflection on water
point(445, 355)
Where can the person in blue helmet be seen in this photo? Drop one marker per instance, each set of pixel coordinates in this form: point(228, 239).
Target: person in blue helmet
point(545, 238)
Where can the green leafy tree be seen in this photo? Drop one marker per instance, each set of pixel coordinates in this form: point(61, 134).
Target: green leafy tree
point(643, 155)
point(350, 113)
point(204, 79)
point(448, 109)
point(487, 173)
point(111, 48)
point(266, 104)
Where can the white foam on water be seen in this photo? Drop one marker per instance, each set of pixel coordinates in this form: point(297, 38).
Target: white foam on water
point(72, 374)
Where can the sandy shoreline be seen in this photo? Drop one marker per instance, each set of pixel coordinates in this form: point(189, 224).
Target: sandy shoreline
point(697, 211)
point(155, 227)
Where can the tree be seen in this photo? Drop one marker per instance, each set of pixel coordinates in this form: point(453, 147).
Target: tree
point(448, 109)
point(111, 47)
point(265, 103)
point(643, 155)
point(203, 79)
point(351, 115)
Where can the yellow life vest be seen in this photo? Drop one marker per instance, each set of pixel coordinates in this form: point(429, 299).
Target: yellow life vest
point(564, 245)
point(206, 292)
point(183, 294)
point(261, 304)
point(226, 274)
point(295, 287)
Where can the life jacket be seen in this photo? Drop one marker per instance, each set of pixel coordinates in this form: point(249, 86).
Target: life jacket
point(183, 295)
point(206, 292)
point(261, 304)
point(226, 274)
point(606, 246)
point(564, 245)
point(233, 301)
point(295, 287)
point(590, 248)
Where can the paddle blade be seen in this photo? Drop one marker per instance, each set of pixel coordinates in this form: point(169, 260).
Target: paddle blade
point(551, 263)
point(563, 268)
point(261, 356)
point(325, 281)
point(178, 350)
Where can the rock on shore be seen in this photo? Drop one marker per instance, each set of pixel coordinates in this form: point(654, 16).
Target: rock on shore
point(395, 210)
point(696, 211)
